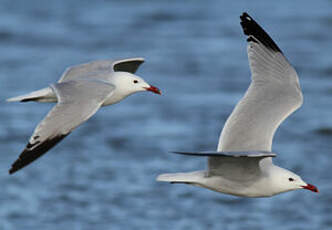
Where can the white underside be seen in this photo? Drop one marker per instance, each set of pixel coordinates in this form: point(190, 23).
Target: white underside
point(217, 184)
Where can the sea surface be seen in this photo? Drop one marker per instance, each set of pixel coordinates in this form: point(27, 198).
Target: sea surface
point(102, 176)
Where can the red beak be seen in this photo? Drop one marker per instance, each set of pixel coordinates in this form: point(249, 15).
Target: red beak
point(153, 89)
point(311, 187)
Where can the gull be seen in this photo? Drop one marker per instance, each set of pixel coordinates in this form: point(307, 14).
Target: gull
point(242, 165)
point(80, 92)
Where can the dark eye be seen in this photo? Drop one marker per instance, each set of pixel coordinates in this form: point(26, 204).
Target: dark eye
point(135, 81)
point(290, 179)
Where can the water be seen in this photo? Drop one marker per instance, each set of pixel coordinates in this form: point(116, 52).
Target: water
point(102, 176)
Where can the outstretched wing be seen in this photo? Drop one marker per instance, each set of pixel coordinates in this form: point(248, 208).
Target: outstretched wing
point(274, 93)
point(77, 102)
point(101, 67)
point(227, 154)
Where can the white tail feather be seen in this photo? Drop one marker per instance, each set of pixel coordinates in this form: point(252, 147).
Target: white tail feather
point(190, 177)
point(42, 95)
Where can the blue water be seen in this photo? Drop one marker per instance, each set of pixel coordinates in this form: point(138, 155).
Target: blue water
point(102, 176)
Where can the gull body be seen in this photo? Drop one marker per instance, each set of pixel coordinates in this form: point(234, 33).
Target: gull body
point(79, 93)
point(242, 164)
point(269, 182)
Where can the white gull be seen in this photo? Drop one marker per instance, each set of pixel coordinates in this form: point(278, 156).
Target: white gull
point(242, 164)
point(80, 92)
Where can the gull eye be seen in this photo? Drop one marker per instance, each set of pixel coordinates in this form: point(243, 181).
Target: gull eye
point(135, 81)
point(290, 179)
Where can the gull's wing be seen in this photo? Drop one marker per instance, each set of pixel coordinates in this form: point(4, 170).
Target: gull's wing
point(227, 154)
point(235, 165)
point(239, 168)
point(101, 67)
point(127, 65)
point(77, 102)
point(274, 93)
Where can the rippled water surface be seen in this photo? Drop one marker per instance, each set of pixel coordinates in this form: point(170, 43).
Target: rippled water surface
point(102, 176)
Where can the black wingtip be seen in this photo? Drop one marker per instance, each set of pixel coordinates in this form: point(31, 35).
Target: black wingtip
point(256, 33)
point(130, 66)
point(11, 171)
point(28, 99)
point(30, 154)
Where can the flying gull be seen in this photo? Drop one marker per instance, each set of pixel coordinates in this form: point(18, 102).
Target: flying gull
point(242, 164)
point(80, 92)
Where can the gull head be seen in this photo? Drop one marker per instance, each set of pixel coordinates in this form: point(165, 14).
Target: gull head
point(284, 180)
point(128, 83)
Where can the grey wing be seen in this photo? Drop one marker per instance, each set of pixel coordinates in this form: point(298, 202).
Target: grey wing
point(227, 154)
point(274, 93)
point(77, 102)
point(234, 165)
point(101, 67)
point(237, 168)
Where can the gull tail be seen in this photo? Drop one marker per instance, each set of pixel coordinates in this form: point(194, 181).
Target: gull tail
point(42, 95)
point(185, 178)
